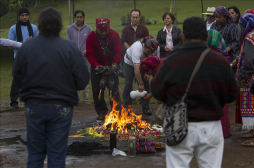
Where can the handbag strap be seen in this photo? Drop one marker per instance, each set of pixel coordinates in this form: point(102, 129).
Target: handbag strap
point(200, 60)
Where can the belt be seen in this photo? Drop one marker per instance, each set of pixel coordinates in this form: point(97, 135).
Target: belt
point(126, 55)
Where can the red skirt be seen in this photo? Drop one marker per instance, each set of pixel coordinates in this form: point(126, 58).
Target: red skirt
point(225, 122)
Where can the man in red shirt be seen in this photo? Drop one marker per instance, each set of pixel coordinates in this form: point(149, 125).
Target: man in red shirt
point(103, 48)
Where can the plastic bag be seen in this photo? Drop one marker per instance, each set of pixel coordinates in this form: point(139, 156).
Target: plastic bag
point(118, 152)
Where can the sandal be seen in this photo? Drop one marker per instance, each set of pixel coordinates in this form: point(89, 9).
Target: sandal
point(249, 134)
point(248, 143)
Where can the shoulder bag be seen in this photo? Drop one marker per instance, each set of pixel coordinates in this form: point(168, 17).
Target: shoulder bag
point(175, 122)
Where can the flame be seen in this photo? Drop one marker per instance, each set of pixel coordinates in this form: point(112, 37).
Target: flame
point(119, 120)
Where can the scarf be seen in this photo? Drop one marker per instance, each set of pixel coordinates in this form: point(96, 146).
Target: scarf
point(216, 43)
point(223, 11)
point(247, 21)
point(18, 30)
point(150, 42)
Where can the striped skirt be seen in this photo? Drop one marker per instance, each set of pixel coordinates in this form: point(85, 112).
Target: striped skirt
point(247, 108)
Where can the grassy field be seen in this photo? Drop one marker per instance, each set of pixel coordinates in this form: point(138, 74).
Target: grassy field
point(112, 9)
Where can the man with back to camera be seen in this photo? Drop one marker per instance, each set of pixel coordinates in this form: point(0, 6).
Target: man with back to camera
point(212, 87)
point(20, 32)
point(49, 70)
point(78, 33)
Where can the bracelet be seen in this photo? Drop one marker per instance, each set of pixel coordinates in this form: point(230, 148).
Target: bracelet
point(142, 83)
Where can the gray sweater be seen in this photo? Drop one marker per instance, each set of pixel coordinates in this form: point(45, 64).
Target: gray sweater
point(79, 36)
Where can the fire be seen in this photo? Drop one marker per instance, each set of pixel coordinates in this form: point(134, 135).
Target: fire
point(119, 121)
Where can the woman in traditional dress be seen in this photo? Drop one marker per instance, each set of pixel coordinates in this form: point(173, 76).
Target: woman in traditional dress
point(225, 25)
point(216, 43)
point(245, 75)
point(170, 36)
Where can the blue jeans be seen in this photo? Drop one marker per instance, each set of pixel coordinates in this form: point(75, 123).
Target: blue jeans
point(48, 128)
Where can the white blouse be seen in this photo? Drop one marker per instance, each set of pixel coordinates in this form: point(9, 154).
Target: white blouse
point(169, 40)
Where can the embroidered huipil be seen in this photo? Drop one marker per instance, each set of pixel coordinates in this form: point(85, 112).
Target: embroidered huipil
point(229, 32)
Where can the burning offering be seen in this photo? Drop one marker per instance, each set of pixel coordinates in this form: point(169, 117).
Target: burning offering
point(121, 123)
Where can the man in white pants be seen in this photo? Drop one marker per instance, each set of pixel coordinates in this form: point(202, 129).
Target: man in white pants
point(212, 87)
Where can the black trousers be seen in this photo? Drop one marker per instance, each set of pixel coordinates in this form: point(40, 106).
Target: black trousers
point(100, 104)
point(14, 94)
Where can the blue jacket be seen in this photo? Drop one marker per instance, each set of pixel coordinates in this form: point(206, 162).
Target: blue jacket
point(13, 36)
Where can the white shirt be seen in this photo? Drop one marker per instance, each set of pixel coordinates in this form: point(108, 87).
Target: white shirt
point(208, 25)
point(136, 53)
point(169, 40)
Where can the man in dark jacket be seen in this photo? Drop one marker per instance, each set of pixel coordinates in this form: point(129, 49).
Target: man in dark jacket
point(212, 87)
point(49, 70)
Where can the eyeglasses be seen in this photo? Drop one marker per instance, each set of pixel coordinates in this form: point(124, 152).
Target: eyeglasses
point(79, 17)
point(167, 18)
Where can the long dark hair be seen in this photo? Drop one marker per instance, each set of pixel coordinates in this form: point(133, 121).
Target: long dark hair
point(236, 11)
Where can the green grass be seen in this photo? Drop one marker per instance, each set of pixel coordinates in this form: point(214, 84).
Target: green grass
point(112, 9)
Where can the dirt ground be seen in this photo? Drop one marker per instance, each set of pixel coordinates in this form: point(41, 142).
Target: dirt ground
point(13, 152)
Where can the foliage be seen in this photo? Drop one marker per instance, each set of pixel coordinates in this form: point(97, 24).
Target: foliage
point(4, 7)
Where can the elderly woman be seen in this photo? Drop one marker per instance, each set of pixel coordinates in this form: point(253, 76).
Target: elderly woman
point(216, 43)
point(138, 51)
point(170, 36)
point(225, 25)
point(245, 75)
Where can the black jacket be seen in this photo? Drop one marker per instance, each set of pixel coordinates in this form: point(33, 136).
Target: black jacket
point(176, 36)
point(50, 69)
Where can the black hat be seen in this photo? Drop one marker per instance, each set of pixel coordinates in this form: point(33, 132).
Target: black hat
point(23, 10)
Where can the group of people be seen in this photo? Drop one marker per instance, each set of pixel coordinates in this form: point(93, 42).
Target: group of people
point(49, 70)
point(214, 86)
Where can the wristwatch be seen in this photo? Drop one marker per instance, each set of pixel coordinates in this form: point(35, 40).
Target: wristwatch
point(141, 83)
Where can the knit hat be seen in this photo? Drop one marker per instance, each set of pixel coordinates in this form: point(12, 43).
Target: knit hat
point(102, 23)
point(23, 10)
